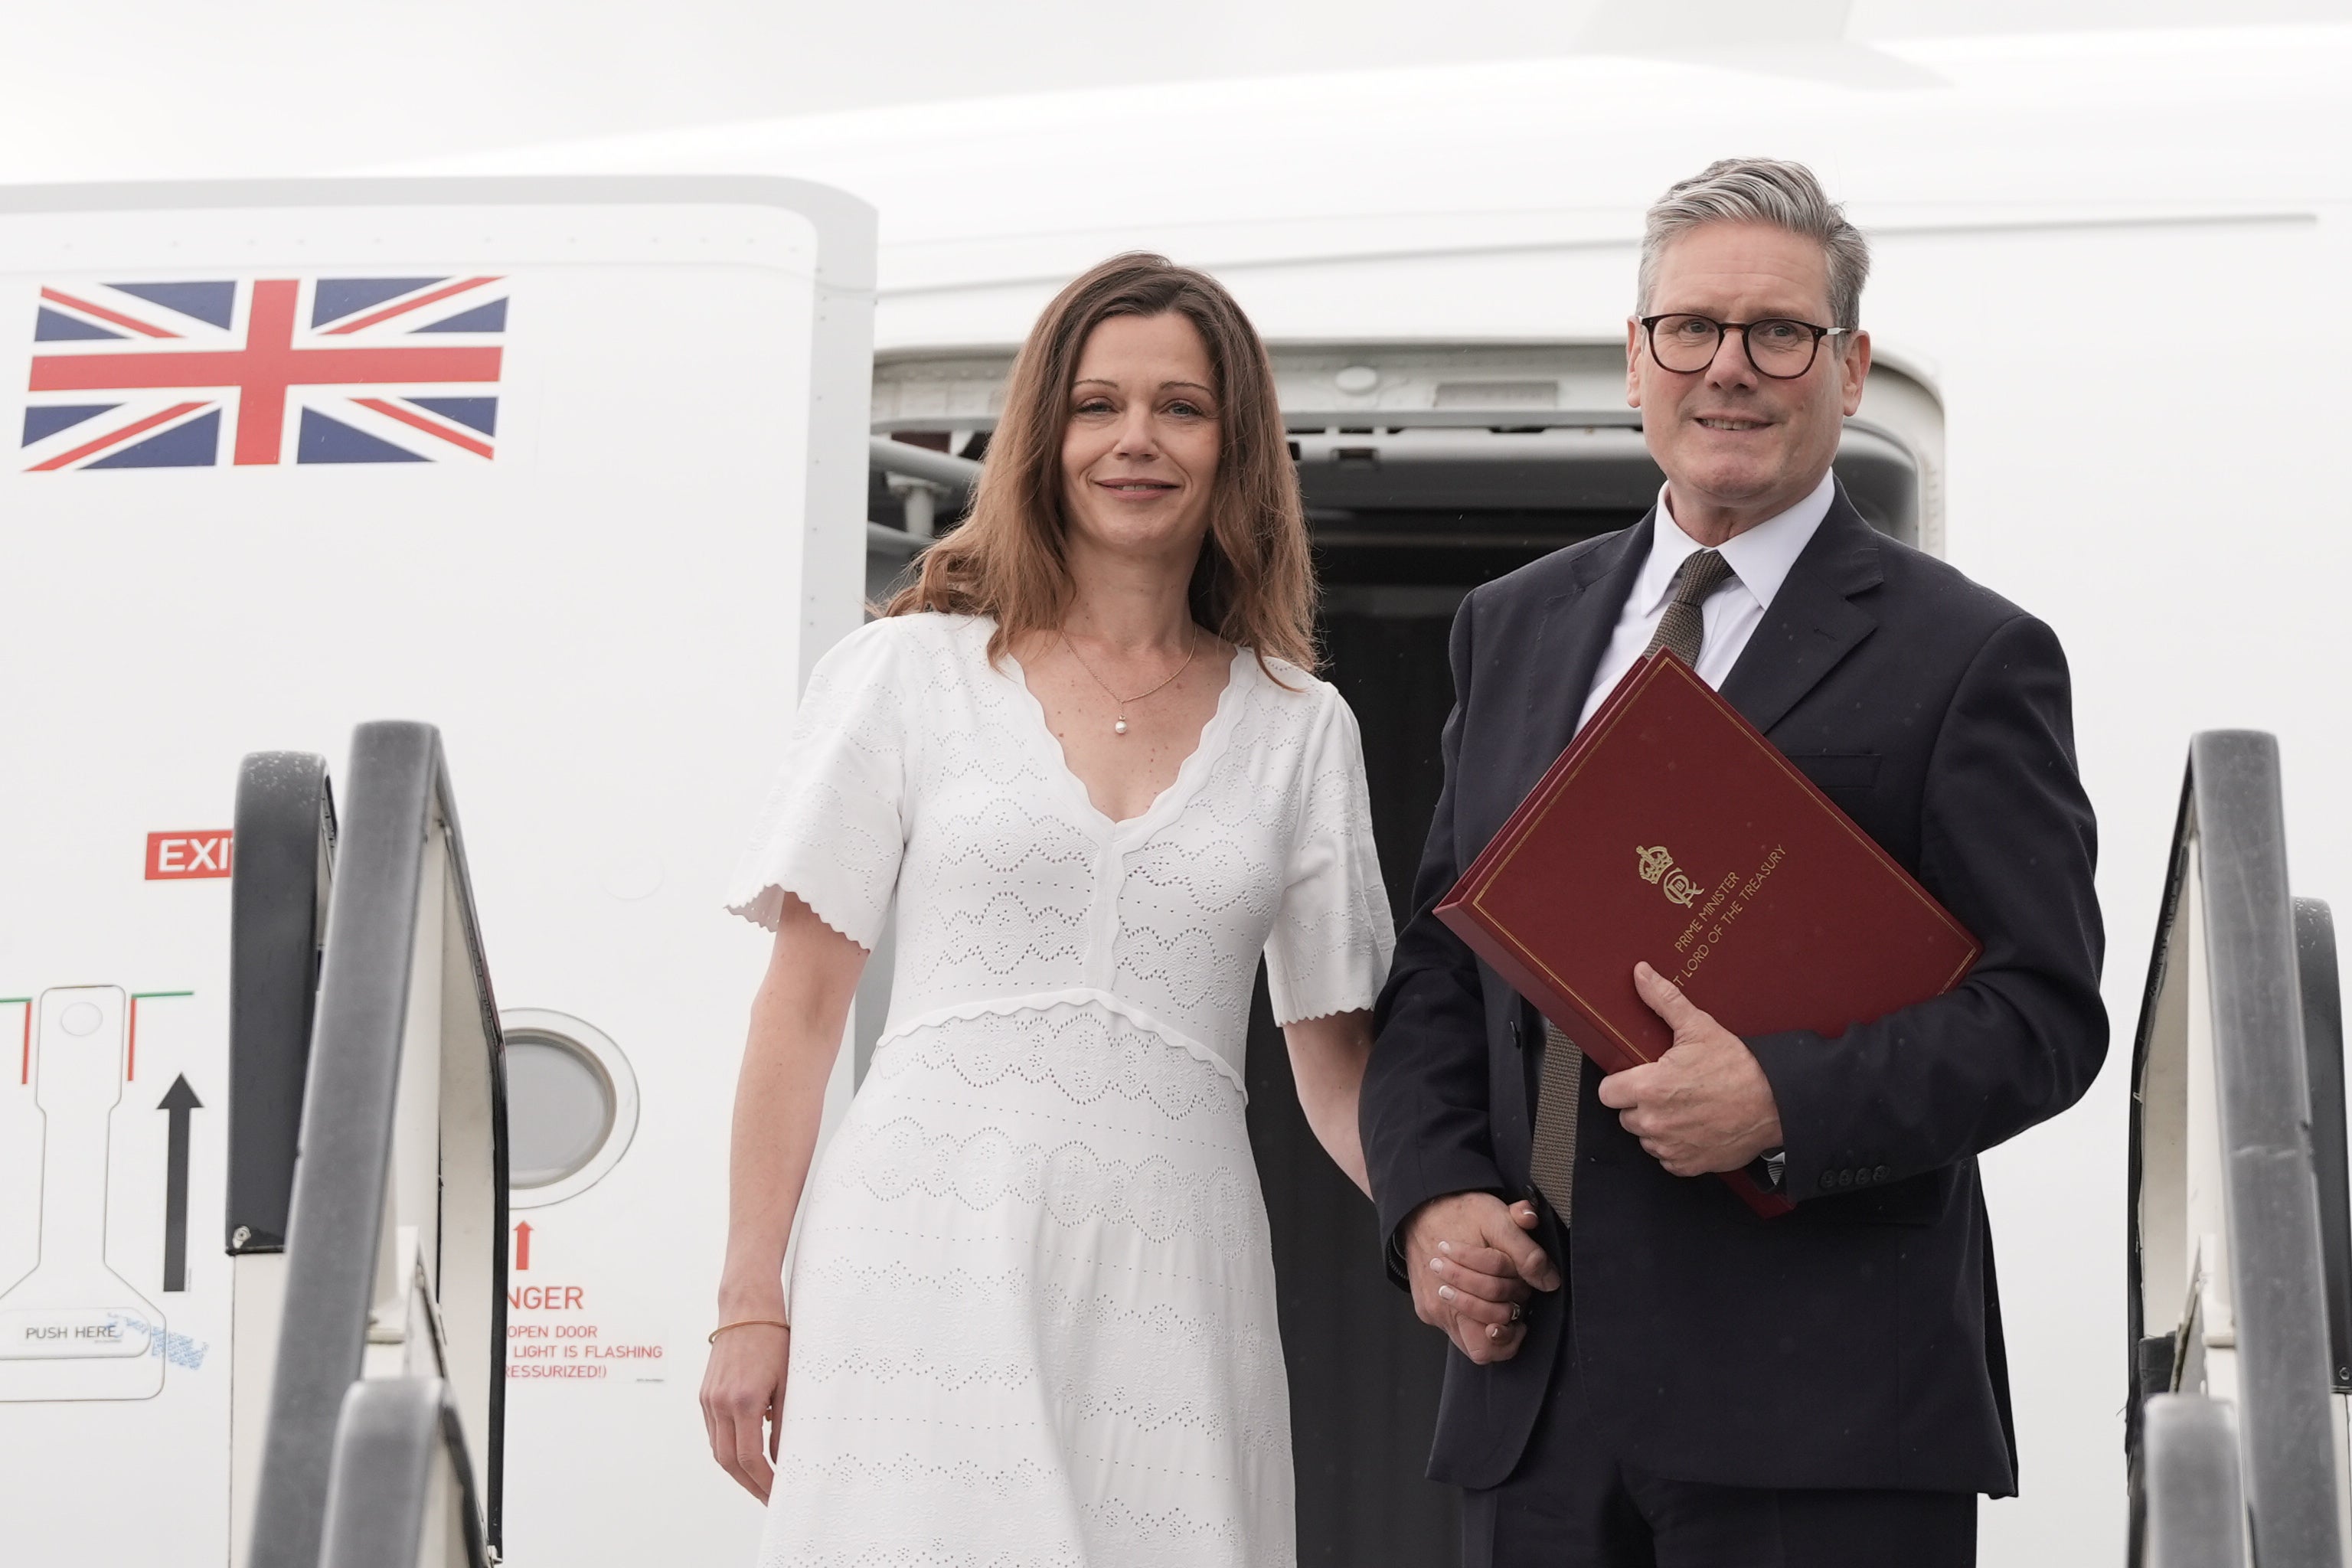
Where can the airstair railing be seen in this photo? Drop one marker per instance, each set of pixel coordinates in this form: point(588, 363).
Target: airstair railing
point(953, 477)
point(401, 1494)
point(397, 1241)
point(928, 486)
point(2323, 1050)
point(2228, 1299)
point(285, 839)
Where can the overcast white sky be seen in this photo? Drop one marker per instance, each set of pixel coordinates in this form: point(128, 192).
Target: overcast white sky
point(143, 89)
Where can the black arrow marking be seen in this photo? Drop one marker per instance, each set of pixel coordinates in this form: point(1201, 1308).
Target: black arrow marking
point(179, 1100)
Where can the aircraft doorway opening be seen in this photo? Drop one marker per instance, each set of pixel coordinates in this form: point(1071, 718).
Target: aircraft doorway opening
point(1473, 463)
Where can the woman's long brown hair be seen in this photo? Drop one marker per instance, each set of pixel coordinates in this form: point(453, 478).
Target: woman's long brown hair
point(1254, 581)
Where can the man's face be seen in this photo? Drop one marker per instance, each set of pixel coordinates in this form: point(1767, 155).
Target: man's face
point(1739, 447)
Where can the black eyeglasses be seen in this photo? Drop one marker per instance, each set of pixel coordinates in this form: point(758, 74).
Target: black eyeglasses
point(1776, 346)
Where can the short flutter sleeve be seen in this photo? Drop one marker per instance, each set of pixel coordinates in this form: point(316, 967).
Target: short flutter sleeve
point(834, 824)
point(1328, 951)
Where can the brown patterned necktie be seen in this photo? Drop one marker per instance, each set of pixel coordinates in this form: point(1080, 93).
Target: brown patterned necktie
point(1682, 630)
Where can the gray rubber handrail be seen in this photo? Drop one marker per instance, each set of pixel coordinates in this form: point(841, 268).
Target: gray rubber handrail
point(399, 790)
point(285, 855)
point(2322, 1046)
point(399, 1448)
point(2232, 821)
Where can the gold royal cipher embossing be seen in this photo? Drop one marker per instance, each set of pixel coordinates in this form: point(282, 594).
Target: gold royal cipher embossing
point(1657, 865)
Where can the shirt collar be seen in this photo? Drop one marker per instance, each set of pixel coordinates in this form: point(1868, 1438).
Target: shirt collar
point(1759, 558)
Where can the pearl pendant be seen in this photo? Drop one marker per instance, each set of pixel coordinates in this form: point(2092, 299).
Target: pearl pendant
point(1119, 728)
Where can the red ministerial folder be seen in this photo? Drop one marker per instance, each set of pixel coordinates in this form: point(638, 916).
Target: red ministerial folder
point(1672, 831)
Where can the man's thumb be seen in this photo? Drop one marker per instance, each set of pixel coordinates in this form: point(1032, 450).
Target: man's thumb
point(1534, 1265)
point(1664, 996)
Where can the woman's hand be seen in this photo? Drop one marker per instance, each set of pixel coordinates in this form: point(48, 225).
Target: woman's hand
point(743, 1387)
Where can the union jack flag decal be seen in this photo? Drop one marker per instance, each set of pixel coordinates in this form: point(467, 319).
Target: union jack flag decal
point(264, 371)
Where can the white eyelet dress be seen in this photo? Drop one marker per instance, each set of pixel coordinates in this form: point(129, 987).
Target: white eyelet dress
point(1033, 1296)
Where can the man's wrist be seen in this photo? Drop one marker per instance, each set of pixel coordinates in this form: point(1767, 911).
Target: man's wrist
point(1414, 1216)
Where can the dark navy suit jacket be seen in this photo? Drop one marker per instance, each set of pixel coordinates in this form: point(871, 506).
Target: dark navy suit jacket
point(1855, 1342)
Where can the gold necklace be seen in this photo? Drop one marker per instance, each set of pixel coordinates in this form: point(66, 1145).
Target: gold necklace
point(1119, 727)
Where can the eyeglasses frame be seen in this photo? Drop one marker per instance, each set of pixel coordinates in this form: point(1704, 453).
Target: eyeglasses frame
point(1649, 325)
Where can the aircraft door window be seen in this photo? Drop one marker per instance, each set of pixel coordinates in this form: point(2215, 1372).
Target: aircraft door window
point(572, 1106)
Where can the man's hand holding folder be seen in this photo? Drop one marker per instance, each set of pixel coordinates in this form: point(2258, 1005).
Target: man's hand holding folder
point(1703, 1108)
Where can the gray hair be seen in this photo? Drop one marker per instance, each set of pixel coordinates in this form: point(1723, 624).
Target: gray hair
point(1761, 190)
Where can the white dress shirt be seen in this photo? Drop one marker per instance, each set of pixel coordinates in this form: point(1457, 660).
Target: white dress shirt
point(1760, 559)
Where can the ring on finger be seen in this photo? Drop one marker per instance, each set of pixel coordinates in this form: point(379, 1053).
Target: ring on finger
point(1518, 1312)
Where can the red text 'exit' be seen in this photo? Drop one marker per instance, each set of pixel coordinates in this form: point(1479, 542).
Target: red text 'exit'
point(177, 856)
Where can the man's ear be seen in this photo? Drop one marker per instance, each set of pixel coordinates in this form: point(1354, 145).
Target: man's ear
point(1854, 369)
point(1633, 364)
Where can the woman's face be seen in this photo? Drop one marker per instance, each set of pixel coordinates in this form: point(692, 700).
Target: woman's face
point(1140, 450)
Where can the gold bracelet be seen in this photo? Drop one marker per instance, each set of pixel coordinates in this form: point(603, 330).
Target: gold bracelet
point(712, 1338)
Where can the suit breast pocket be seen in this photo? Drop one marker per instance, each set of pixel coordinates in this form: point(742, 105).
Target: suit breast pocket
point(1839, 772)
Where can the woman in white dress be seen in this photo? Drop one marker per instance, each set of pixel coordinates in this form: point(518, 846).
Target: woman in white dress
point(1032, 1311)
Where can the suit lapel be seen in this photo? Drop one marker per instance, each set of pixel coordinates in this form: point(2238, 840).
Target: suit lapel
point(1811, 624)
point(1571, 636)
point(1576, 629)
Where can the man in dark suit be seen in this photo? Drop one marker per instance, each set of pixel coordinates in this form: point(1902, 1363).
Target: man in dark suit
point(1644, 1371)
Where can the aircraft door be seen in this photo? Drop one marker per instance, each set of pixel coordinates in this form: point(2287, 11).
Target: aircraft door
point(570, 469)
